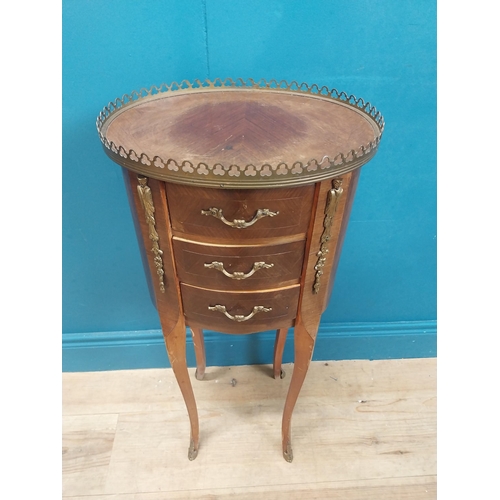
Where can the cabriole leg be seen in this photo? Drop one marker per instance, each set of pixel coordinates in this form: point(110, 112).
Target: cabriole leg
point(199, 351)
point(304, 346)
point(279, 345)
point(175, 341)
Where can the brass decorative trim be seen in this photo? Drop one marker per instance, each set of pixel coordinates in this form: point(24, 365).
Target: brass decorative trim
point(237, 275)
point(147, 204)
point(332, 202)
point(192, 451)
point(239, 223)
point(239, 318)
point(244, 176)
point(288, 452)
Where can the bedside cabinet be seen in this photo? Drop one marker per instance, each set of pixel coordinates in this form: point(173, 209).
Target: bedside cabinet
point(241, 193)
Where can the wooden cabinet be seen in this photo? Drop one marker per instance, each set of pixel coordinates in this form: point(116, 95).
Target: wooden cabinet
point(241, 193)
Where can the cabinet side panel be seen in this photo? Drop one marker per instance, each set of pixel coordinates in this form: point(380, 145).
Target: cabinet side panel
point(138, 231)
point(336, 246)
point(166, 295)
point(316, 283)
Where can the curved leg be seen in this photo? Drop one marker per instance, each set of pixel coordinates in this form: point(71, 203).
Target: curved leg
point(304, 346)
point(175, 340)
point(199, 351)
point(279, 345)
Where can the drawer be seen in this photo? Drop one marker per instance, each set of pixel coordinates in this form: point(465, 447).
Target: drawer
point(240, 312)
point(215, 215)
point(249, 267)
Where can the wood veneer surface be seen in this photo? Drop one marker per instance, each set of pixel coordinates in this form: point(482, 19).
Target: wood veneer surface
point(282, 301)
point(292, 205)
point(244, 127)
point(286, 260)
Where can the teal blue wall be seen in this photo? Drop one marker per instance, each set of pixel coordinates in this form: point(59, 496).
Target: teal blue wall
point(382, 51)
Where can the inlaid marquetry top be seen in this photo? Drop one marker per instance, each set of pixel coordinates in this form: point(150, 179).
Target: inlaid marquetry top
point(240, 135)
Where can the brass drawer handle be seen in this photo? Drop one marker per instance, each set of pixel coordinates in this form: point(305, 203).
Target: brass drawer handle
point(237, 275)
point(239, 318)
point(239, 223)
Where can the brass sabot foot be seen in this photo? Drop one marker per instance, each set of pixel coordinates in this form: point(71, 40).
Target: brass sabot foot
point(192, 452)
point(288, 453)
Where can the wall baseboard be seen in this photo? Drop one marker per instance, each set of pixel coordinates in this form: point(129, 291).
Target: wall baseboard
point(99, 351)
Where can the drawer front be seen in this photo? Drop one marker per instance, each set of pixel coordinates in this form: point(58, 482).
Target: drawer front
point(217, 215)
point(239, 267)
point(240, 312)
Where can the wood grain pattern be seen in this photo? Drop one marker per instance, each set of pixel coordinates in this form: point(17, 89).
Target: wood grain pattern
point(87, 447)
point(362, 430)
point(186, 204)
point(286, 260)
point(250, 127)
point(283, 302)
point(406, 488)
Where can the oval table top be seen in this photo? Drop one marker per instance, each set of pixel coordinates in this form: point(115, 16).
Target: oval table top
point(240, 136)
